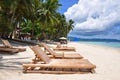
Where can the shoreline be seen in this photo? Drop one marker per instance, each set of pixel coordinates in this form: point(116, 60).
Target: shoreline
point(99, 45)
point(106, 60)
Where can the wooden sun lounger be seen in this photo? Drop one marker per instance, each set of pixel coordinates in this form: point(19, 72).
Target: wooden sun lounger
point(62, 66)
point(64, 48)
point(8, 45)
point(8, 50)
point(61, 55)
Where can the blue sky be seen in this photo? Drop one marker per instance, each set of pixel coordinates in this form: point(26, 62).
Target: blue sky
point(93, 18)
point(66, 4)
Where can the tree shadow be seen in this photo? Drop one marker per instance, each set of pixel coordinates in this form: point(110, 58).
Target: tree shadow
point(13, 63)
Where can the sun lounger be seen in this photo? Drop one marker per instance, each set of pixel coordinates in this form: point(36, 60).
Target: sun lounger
point(62, 54)
point(46, 65)
point(64, 48)
point(8, 45)
point(9, 50)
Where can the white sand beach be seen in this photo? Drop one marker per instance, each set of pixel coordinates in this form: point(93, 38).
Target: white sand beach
point(106, 59)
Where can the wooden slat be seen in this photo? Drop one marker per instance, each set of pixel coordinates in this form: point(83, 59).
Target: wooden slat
point(63, 65)
point(9, 50)
point(56, 72)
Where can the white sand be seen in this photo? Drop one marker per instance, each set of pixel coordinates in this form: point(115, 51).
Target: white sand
point(106, 59)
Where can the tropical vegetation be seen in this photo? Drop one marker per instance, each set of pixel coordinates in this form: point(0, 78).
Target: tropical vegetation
point(39, 18)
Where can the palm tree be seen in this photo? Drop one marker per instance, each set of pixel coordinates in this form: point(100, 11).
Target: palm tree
point(39, 17)
point(12, 12)
point(6, 9)
point(70, 26)
point(63, 27)
point(46, 14)
point(23, 7)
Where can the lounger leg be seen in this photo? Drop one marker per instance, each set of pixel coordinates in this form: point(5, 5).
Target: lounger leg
point(25, 69)
point(32, 68)
point(92, 71)
point(34, 60)
point(37, 59)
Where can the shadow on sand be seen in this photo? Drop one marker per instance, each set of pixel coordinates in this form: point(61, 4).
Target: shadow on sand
point(12, 63)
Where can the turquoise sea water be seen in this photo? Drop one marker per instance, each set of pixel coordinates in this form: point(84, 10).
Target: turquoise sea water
point(109, 44)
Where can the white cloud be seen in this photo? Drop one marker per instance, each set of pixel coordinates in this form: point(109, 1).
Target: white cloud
point(94, 15)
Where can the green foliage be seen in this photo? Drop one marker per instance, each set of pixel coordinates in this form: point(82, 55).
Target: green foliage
point(37, 17)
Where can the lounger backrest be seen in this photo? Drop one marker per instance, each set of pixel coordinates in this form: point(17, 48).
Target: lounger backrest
point(6, 43)
point(41, 54)
point(48, 48)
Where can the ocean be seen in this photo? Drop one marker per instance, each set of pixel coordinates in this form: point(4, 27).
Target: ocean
point(107, 44)
point(102, 42)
